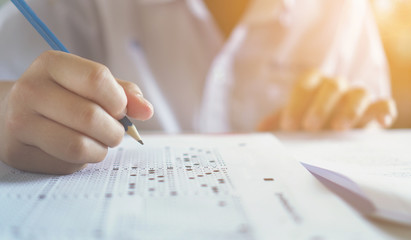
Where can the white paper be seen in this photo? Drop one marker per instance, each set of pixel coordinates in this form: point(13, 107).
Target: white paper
point(180, 187)
point(378, 163)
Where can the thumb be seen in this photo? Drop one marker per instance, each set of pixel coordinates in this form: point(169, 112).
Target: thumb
point(137, 106)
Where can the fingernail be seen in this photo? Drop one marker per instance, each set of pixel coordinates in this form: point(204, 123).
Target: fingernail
point(148, 104)
point(143, 100)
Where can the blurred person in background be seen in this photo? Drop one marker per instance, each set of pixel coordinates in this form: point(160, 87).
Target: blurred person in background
point(205, 66)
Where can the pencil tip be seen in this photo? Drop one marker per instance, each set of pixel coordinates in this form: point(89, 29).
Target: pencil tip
point(141, 142)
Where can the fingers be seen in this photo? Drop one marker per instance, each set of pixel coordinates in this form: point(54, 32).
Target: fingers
point(62, 113)
point(350, 109)
point(384, 111)
point(324, 101)
point(86, 78)
point(137, 106)
point(58, 141)
point(317, 102)
point(33, 159)
point(76, 113)
point(301, 96)
point(312, 101)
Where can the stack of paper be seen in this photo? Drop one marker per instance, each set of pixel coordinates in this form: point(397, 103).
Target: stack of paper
point(372, 170)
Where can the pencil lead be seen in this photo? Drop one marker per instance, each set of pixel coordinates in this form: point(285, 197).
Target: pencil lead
point(141, 142)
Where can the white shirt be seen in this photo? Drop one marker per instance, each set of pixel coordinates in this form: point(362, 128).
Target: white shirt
point(176, 54)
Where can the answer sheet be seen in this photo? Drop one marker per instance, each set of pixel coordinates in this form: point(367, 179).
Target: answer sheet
point(378, 163)
point(180, 187)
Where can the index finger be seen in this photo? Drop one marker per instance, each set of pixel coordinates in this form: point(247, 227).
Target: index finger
point(86, 78)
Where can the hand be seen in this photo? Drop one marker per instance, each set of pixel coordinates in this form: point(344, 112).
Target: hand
point(63, 113)
point(318, 102)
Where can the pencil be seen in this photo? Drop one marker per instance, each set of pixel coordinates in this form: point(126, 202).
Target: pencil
point(55, 44)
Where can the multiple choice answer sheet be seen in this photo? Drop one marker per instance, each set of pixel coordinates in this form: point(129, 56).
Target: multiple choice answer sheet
point(180, 187)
